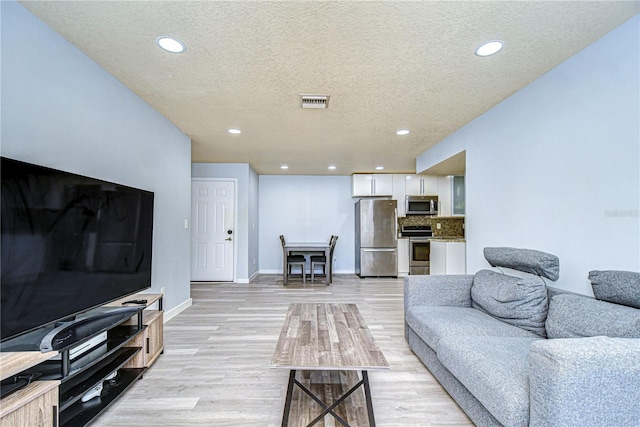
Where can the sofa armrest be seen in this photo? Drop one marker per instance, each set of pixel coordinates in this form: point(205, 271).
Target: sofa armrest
point(449, 290)
point(585, 382)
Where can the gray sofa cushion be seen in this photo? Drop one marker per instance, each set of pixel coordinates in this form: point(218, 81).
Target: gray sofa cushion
point(575, 316)
point(495, 370)
point(432, 323)
point(527, 260)
point(521, 302)
point(621, 287)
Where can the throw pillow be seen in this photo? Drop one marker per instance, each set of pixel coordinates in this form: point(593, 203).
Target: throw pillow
point(521, 302)
point(527, 260)
point(621, 287)
point(578, 316)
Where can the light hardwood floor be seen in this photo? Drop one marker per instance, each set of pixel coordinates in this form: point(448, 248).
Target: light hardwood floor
point(215, 367)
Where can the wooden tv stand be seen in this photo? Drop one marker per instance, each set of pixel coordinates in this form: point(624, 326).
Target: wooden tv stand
point(55, 399)
point(37, 403)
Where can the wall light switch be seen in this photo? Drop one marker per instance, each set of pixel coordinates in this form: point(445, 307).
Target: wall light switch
point(438, 226)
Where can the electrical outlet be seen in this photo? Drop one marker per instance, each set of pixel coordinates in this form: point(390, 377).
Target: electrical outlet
point(186, 223)
point(162, 290)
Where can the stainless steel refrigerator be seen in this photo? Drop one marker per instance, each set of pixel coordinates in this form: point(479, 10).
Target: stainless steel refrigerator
point(376, 238)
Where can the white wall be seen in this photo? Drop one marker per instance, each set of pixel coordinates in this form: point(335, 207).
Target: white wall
point(556, 166)
point(60, 109)
point(246, 233)
point(306, 208)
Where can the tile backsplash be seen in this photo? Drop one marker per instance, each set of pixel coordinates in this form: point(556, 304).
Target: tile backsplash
point(450, 226)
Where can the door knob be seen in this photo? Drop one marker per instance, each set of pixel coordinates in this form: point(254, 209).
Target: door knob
point(228, 238)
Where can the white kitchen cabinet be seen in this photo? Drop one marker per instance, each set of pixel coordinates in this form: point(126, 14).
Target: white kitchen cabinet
point(363, 185)
point(447, 257)
point(421, 185)
point(403, 256)
point(398, 193)
point(444, 195)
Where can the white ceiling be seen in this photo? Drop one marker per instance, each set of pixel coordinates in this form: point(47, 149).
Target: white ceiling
point(387, 66)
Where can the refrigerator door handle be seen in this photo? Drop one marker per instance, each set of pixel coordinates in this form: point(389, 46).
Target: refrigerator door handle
point(379, 250)
point(395, 235)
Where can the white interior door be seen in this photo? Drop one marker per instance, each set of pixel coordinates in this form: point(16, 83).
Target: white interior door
point(212, 231)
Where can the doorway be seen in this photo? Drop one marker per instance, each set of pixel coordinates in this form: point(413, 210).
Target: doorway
point(212, 230)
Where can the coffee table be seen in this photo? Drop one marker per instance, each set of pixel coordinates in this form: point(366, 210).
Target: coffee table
point(327, 337)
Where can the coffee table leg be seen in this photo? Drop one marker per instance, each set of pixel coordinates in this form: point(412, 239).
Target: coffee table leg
point(367, 396)
point(287, 401)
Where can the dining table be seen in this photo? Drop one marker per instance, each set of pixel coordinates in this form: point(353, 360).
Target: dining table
point(307, 247)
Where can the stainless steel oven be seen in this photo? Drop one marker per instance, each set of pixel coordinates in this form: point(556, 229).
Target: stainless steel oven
point(419, 247)
point(419, 255)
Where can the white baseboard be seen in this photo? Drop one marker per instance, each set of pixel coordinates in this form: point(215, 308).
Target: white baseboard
point(170, 314)
point(242, 281)
point(272, 272)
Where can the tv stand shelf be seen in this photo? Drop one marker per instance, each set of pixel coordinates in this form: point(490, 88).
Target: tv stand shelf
point(133, 342)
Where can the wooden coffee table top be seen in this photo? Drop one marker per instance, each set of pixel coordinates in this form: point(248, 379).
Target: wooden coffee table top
point(318, 336)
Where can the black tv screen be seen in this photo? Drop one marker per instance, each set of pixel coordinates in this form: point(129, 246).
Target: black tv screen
point(69, 243)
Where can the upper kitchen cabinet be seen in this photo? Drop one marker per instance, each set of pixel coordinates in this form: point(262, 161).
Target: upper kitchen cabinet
point(444, 195)
point(458, 204)
point(363, 185)
point(399, 192)
point(421, 185)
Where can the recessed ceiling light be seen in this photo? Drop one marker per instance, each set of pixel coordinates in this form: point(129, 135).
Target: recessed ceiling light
point(284, 167)
point(489, 48)
point(235, 131)
point(170, 44)
point(379, 168)
point(331, 168)
point(403, 132)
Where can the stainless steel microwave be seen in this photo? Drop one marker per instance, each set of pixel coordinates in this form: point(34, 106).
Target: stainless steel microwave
point(421, 205)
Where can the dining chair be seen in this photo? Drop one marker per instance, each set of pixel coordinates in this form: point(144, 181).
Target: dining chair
point(293, 260)
point(321, 260)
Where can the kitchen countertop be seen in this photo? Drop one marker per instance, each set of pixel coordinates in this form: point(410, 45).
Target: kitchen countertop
point(441, 238)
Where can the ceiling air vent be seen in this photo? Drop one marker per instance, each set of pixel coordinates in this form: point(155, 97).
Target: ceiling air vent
point(315, 101)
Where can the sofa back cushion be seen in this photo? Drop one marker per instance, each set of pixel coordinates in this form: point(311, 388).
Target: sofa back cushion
point(527, 260)
point(518, 301)
point(576, 316)
point(621, 287)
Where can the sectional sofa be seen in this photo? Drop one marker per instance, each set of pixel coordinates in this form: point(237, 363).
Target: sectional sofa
point(513, 351)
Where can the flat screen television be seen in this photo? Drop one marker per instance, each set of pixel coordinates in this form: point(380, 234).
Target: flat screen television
point(70, 243)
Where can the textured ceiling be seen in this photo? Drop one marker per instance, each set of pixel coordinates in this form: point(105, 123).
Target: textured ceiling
point(387, 66)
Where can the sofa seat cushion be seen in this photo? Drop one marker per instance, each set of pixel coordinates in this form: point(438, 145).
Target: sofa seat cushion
point(432, 323)
point(495, 370)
